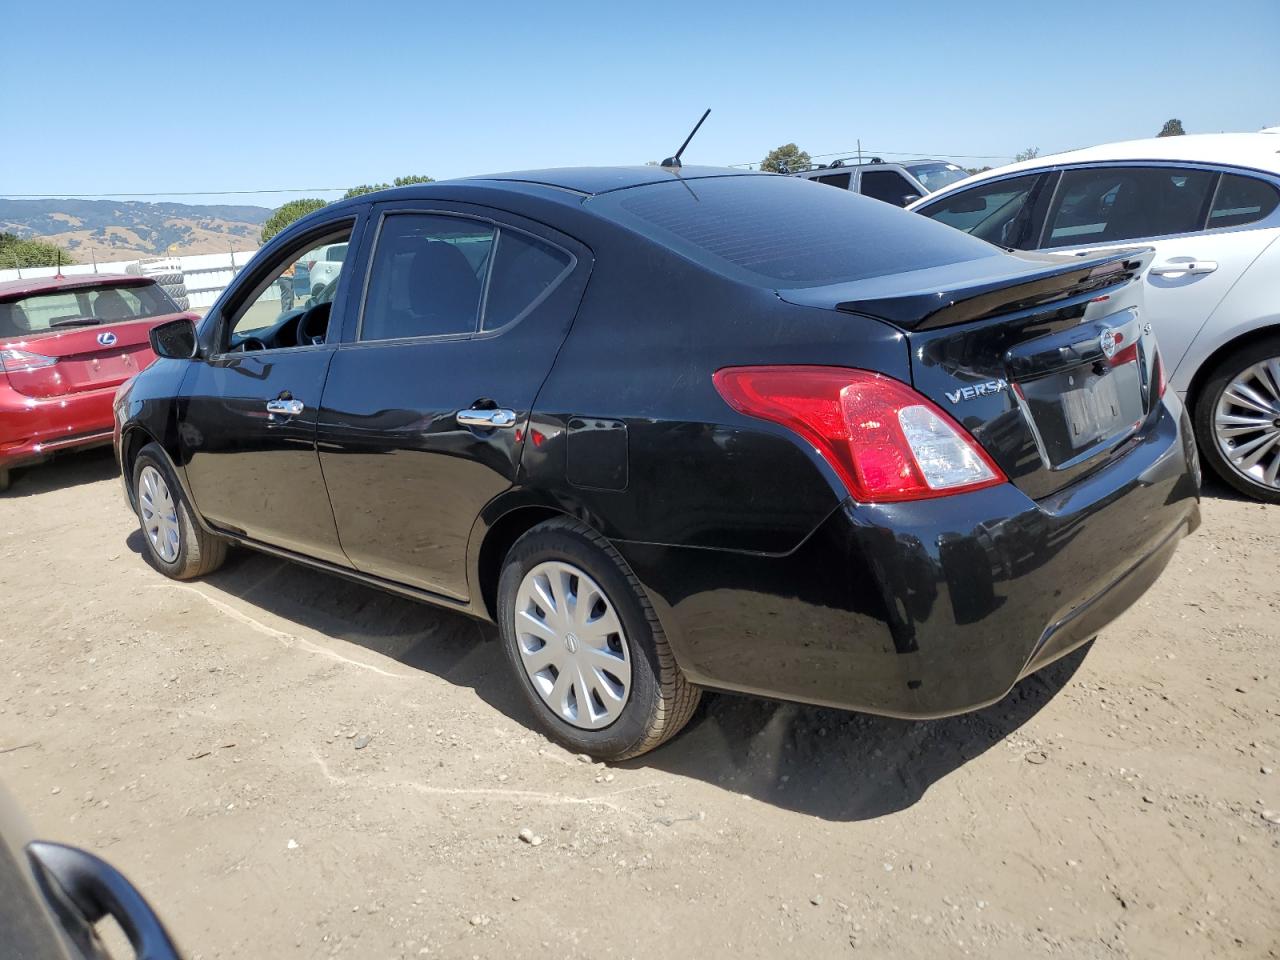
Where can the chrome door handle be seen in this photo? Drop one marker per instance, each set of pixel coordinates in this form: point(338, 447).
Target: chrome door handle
point(486, 418)
point(1182, 268)
point(290, 408)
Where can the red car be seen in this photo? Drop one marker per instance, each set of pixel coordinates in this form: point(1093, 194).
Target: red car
point(66, 343)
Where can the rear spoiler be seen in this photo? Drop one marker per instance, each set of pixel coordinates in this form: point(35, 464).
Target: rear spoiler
point(959, 295)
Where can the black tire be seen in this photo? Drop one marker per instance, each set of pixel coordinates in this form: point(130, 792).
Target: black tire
point(1205, 407)
point(168, 279)
point(198, 552)
point(4, 479)
point(660, 701)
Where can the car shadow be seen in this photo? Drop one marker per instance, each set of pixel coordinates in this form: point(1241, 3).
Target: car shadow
point(844, 766)
point(1211, 485)
point(66, 470)
point(822, 762)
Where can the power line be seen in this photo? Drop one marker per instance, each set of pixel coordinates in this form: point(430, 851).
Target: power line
point(164, 193)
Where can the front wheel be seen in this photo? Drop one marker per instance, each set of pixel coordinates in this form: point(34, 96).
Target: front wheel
point(175, 543)
point(1237, 419)
point(586, 647)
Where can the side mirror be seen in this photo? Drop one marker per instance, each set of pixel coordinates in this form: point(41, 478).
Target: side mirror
point(175, 339)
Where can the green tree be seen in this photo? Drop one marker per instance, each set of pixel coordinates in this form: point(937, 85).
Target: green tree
point(1171, 128)
point(364, 188)
point(17, 252)
point(1028, 154)
point(285, 215)
point(788, 157)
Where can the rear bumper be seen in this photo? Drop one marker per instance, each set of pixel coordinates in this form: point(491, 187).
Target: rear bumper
point(34, 428)
point(936, 607)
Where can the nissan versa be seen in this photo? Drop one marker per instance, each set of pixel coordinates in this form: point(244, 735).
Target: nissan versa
point(676, 429)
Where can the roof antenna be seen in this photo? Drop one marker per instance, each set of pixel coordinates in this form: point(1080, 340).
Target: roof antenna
point(673, 163)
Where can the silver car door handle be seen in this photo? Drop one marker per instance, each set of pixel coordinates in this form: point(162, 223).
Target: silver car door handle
point(1174, 268)
point(288, 407)
point(486, 418)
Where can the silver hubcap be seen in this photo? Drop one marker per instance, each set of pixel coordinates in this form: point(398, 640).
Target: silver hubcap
point(572, 645)
point(1247, 423)
point(159, 514)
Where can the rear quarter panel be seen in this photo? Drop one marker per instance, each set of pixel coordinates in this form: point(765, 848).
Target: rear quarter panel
point(632, 387)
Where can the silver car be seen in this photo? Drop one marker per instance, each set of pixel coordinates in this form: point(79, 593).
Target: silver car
point(1209, 205)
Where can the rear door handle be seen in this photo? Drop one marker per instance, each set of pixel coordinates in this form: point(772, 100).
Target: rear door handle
point(290, 408)
point(1183, 268)
point(96, 890)
point(473, 417)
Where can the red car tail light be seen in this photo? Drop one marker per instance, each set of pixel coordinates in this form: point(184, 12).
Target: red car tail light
point(16, 361)
point(886, 442)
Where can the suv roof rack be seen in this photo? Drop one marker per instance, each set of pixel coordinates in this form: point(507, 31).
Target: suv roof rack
point(836, 164)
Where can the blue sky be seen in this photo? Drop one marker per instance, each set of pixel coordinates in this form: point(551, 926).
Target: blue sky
point(230, 95)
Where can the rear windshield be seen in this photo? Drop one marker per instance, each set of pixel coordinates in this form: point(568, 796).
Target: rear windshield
point(935, 176)
point(85, 306)
point(782, 232)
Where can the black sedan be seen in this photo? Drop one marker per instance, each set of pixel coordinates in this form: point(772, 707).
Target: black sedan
point(681, 429)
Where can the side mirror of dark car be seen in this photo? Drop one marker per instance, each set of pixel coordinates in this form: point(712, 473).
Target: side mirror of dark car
point(175, 339)
point(909, 199)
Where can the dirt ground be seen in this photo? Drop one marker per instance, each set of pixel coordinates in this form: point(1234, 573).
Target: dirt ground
point(288, 764)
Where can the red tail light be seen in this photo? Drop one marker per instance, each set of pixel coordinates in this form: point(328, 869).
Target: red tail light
point(886, 442)
point(15, 361)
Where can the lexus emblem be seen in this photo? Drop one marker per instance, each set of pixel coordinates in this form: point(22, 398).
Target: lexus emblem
point(108, 338)
point(1110, 342)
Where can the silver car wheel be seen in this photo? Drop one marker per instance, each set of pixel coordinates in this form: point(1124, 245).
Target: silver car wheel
point(572, 645)
point(159, 514)
point(1247, 423)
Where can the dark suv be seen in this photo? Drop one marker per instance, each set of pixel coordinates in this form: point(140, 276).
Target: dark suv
point(681, 429)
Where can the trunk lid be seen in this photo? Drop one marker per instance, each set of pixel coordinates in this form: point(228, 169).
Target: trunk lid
point(1048, 362)
point(70, 335)
point(87, 358)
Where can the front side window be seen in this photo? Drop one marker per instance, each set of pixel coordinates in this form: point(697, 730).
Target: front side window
point(1113, 204)
point(279, 314)
point(887, 185)
point(999, 212)
point(1242, 200)
point(427, 277)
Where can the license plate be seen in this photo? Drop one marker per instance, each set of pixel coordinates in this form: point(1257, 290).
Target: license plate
point(1083, 407)
point(1095, 411)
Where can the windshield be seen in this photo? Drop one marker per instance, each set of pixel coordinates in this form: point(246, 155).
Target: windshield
point(51, 310)
point(781, 232)
point(935, 176)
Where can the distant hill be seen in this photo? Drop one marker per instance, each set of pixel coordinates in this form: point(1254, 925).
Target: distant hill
point(122, 229)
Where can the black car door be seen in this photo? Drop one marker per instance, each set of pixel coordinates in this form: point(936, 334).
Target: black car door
point(247, 422)
point(426, 405)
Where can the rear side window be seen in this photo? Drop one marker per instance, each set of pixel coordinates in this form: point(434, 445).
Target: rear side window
point(43, 312)
point(1110, 204)
point(840, 180)
point(427, 277)
point(1242, 200)
point(999, 212)
point(524, 271)
point(780, 232)
point(337, 254)
point(887, 185)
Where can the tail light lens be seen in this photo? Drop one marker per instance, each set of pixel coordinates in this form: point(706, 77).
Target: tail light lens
point(16, 361)
point(886, 442)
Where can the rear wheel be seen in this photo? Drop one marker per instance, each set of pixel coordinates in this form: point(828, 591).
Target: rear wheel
point(1237, 419)
point(175, 543)
point(586, 647)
